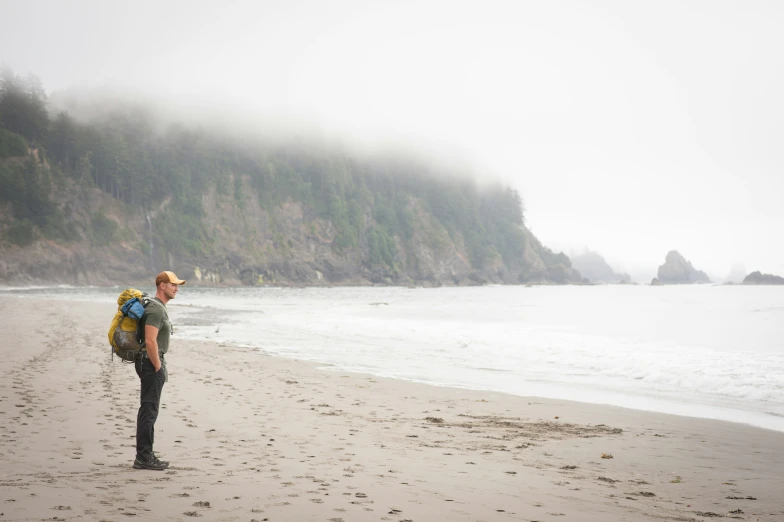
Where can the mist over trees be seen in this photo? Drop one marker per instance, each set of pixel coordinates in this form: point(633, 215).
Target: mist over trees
point(127, 155)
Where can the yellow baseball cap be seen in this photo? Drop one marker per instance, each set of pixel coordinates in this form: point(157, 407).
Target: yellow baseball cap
point(168, 277)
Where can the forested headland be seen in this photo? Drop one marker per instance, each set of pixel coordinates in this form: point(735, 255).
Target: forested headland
point(109, 193)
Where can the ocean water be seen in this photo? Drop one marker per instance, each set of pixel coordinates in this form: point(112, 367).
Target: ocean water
point(699, 350)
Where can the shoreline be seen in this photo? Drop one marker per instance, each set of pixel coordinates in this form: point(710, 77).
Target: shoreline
point(254, 438)
point(334, 368)
point(727, 409)
point(753, 420)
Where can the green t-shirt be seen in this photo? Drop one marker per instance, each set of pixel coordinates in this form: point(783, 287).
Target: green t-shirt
point(158, 316)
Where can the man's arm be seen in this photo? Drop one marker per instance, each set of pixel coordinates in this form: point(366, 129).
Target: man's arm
point(151, 343)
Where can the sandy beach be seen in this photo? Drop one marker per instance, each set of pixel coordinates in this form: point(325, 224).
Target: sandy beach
point(252, 437)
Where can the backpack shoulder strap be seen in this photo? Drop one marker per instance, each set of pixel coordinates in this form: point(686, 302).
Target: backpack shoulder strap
point(141, 323)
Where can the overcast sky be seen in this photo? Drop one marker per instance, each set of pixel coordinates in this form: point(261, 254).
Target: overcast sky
point(629, 127)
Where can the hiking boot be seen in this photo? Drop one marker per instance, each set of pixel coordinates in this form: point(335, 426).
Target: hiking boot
point(153, 464)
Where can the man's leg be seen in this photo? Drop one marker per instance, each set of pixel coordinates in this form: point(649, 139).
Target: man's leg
point(151, 388)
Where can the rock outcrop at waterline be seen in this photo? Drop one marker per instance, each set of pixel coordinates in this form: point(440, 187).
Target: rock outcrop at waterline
point(758, 278)
point(677, 270)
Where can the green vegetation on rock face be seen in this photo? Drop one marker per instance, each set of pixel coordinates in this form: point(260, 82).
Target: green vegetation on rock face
point(390, 215)
point(12, 144)
point(21, 232)
point(104, 230)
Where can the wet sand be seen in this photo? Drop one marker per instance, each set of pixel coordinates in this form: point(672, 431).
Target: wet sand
point(252, 437)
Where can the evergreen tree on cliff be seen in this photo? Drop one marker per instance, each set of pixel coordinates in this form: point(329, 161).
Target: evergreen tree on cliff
point(23, 106)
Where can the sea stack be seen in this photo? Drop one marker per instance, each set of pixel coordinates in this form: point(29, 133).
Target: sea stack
point(677, 270)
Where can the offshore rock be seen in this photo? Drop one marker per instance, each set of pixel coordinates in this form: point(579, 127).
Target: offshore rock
point(757, 278)
point(677, 270)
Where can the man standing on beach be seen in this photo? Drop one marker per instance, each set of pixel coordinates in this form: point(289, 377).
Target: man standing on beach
point(151, 368)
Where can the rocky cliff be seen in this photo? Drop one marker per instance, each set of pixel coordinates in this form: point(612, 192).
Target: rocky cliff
point(677, 270)
point(251, 245)
point(96, 188)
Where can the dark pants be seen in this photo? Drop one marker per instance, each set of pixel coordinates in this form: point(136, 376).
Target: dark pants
point(151, 388)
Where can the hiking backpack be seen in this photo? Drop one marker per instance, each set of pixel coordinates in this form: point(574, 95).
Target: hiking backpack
point(126, 333)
